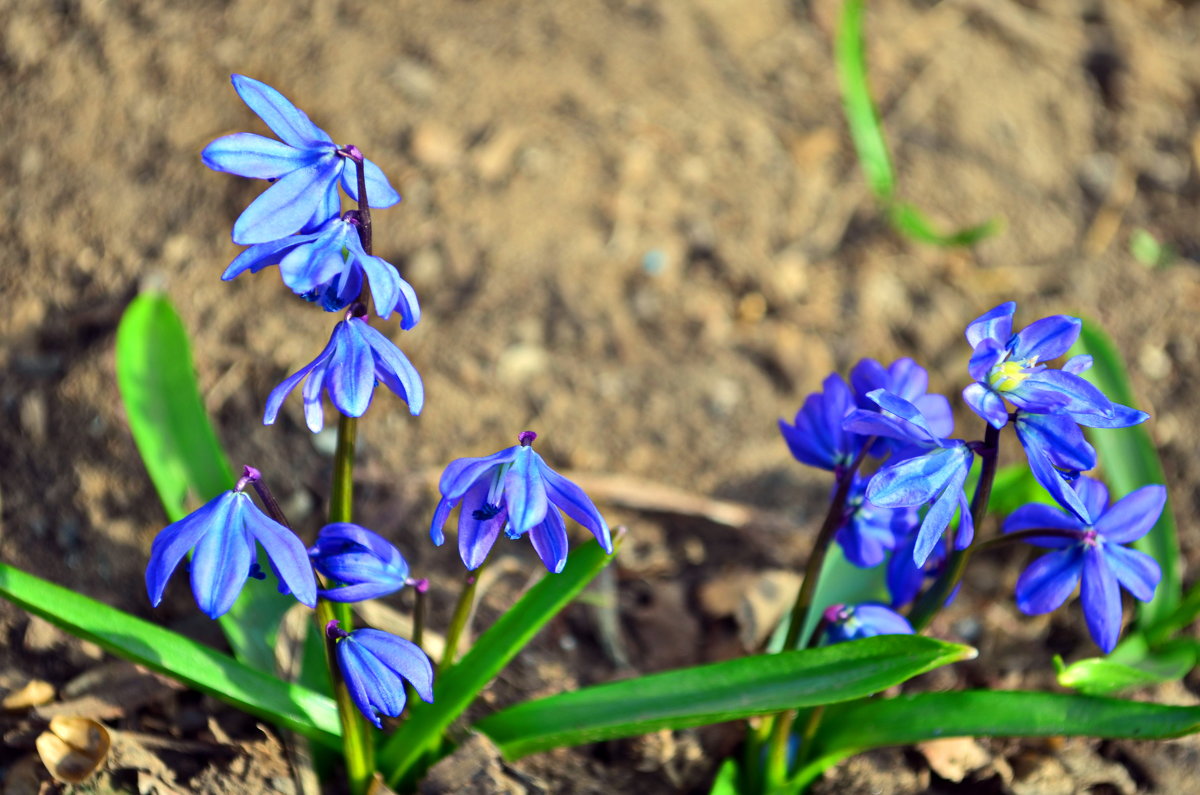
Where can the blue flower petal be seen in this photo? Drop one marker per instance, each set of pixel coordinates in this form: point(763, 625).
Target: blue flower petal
point(937, 518)
point(280, 393)
point(314, 412)
point(1036, 516)
point(287, 121)
point(462, 473)
point(1057, 391)
point(174, 541)
point(437, 533)
point(380, 192)
point(525, 493)
point(937, 413)
point(550, 541)
point(1101, 599)
point(986, 403)
point(906, 412)
point(1132, 516)
point(915, 481)
point(287, 554)
point(1137, 571)
point(1122, 417)
point(260, 255)
point(477, 536)
point(995, 324)
point(574, 503)
point(1049, 580)
point(1047, 338)
point(250, 155)
point(373, 688)
point(394, 369)
point(987, 355)
point(351, 375)
point(221, 562)
point(287, 205)
point(402, 657)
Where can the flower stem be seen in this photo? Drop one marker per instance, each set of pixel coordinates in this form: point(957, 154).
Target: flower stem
point(358, 748)
point(933, 599)
point(812, 571)
point(462, 616)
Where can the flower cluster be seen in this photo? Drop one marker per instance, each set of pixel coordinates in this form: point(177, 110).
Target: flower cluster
point(325, 257)
point(900, 514)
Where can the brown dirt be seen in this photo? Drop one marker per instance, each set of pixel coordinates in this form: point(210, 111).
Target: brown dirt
point(548, 153)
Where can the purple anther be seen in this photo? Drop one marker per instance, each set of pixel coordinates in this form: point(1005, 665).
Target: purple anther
point(526, 438)
point(422, 585)
point(351, 151)
point(356, 309)
point(249, 475)
point(333, 631)
point(1089, 537)
point(352, 217)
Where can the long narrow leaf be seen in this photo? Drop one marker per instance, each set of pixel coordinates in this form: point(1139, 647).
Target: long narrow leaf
point(291, 706)
point(180, 449)
point(455, 689)
point(848, 729)
point(866, 131)
point(1129, 461)
point(757, 685)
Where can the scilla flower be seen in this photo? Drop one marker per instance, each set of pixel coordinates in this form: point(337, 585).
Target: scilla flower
point(222, 534)
point(516, 491)
point(851, 622)
point(305, 166)
point(1090, 548)
point(375, 665)
point(356, 359)
point(1011, 366)
point(365, 563)
point(328, 266)
point(935, 476)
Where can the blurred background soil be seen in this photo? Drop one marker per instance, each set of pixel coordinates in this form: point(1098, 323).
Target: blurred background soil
point(635, 226)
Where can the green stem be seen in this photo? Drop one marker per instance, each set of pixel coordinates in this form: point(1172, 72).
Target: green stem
point(462, 615)
point(933, 599)
point(1024, 535)
point(358, 748)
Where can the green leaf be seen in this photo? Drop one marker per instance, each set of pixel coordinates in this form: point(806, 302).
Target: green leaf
point(726, 780)
point(290, 706)
point(851, 728)
point(756, 685)
point(1129, 461)
point(179, 447)
point(455, 689)
point(865, 128)
point(866, 131)
point(913, 224)
point(1132, 664)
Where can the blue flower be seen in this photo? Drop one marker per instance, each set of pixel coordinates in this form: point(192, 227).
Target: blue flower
point(851, 622)
point(223, 533)
point(1090, 548)
point(1057, 452)
point(375, 665)
point(936, 476)
point(818, 438)
point(328, 265)
point(305, 166)
point(1006, 365)
point(868, 532)
point(365, 563)
point(356, 359)
point(514, 490)
point(906, 379)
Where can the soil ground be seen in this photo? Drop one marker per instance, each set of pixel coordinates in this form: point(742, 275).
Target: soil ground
point(637, 227)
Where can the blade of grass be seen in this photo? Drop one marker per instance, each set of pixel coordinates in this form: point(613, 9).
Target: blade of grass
point(718, 692)
point(1129, 461)
point(454, 690)
point(291, 706)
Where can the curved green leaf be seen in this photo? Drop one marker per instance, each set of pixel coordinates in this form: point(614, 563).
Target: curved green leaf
point(1129, 461)
point(723, 691)
point(454, 690)
point(866, 131)
point(180, 450)
point(848, 729)
point(1132, 664)
point(290, 706)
